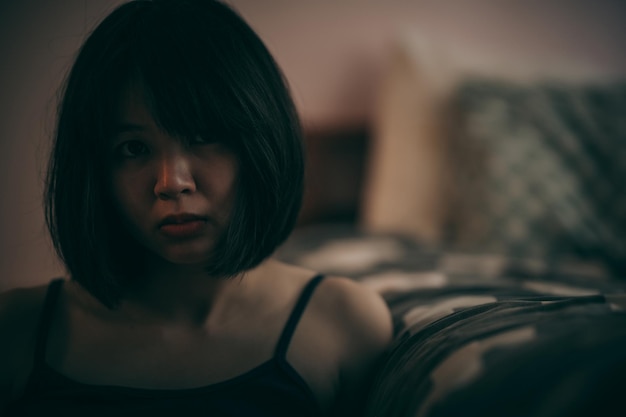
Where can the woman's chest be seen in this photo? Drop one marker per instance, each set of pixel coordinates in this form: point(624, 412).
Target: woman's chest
point(159, 356)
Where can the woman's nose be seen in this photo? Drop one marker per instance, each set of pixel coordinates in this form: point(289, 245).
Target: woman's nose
point(174, 177)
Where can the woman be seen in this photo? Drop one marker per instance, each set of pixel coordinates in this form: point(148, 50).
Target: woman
point(176, 171)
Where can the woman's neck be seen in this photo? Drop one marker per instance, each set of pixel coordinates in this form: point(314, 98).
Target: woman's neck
point(184, 293)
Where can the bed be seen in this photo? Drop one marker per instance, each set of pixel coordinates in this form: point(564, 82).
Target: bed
point(493, 222)
point(481, 334)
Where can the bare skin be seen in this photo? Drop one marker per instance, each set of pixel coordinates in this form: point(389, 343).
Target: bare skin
point(179, 328)
point(230, 330)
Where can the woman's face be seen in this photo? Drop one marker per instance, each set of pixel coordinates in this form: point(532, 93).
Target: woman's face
point(174, 196)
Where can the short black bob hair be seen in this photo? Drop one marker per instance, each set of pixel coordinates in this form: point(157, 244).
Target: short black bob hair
point(202, 70)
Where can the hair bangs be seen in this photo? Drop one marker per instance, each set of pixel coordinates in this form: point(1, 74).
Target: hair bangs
point(187, 89)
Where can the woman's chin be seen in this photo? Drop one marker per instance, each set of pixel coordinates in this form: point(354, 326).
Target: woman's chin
point(187, 260)
point(183, 258)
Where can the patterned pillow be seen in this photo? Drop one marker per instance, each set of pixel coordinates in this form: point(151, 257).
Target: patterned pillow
point(540, 170)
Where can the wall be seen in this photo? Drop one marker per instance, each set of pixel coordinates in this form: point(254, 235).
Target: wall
point(332, 51)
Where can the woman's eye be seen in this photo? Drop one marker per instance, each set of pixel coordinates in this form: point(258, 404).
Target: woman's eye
point(132, 149)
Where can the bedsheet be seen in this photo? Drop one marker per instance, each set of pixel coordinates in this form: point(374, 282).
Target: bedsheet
point(478, 334)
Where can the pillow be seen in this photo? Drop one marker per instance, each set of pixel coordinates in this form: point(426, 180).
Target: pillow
point(539, 170)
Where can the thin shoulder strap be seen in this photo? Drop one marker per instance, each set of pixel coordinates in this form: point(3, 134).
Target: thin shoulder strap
point(294, 318)
point(45, 319)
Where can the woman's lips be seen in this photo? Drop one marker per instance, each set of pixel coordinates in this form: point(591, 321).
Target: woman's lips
point(181, 226)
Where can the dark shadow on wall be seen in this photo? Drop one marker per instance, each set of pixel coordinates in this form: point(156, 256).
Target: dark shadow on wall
point(334, 173)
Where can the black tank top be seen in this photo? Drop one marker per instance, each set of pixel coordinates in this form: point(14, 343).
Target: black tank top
point(272, 389)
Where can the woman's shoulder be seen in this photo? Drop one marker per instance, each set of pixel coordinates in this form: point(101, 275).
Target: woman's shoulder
point(350, 326)
point(343, 332)
point(358, 313)
point(346, 306)
point(361, 323)
point(20, 311)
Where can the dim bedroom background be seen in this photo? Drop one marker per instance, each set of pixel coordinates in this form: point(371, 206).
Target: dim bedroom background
point(467, 160)
point(491, 215)
point(493, 221)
